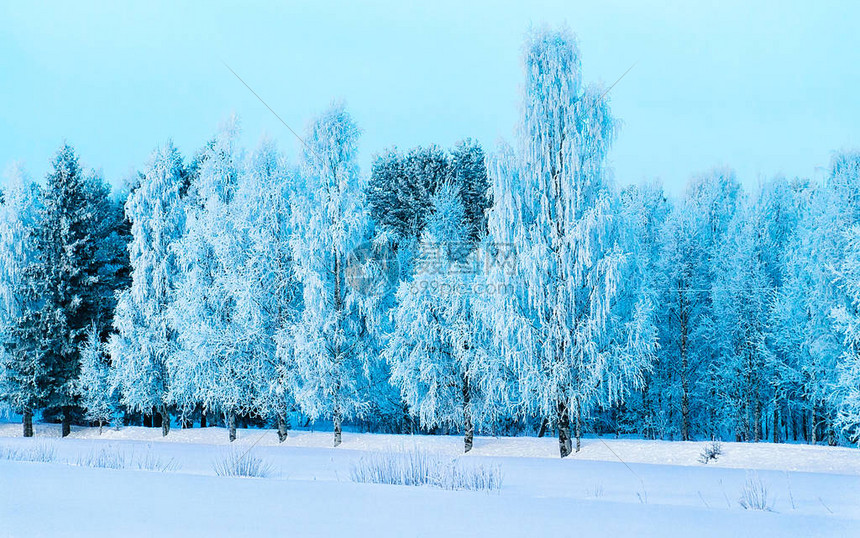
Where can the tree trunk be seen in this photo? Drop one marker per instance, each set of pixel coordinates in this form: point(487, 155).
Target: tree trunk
point(165, 420)
point(468, 426)
point(804, 426)
point(544, 424)
point(469, 435)
point(793, 419)
point(231, 425)
point(775, 422)
point(757, 419)
point(685, 385)
point(814, 434)
point(203, 418)
point(28, 423)
point(564, 445)
point(338, 308)
point(830, 431)
point(101, 423)
point(647, 428)
point(336, 419)
point(578, 425)
point(282, 428)
point(67, 422)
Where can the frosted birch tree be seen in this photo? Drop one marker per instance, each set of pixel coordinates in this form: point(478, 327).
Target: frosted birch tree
point(691, 239)
point(643, 211)
point(19, 220)
point(742, 294)
point(847, 391)
point(214, 363)
point(553, 203)
point(330, 341)
point(144, 338)
point(262, 281)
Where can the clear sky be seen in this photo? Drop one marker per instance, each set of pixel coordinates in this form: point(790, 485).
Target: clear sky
point(765, 87)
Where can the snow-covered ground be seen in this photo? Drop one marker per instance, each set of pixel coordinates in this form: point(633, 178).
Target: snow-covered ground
point(612, 487)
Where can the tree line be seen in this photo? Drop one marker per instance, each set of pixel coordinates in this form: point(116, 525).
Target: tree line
point(521, 291)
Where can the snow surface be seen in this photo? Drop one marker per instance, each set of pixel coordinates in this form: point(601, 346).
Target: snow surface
point(660, 489)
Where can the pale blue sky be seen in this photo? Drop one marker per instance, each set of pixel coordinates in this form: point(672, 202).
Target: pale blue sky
point(766, 89)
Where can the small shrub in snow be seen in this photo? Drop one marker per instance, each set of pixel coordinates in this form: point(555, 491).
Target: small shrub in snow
point(755, 494)
point(110, 458)
point(152, 462)
point(458, 475)
point(242, 463)
point(419, 468)
point(711, 452)
point(103, 459)
point(42, 452)
point(413, 468)
point(595, 492)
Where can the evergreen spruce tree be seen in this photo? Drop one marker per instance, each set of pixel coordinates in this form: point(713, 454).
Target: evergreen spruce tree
point(65, 278)
point(468, 173)
point(399, 195)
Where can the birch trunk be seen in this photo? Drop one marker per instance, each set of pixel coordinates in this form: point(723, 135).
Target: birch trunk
point(336, 419)
point(565, 446)
point(468, 426)
point(165, 420)
point(28, 422)
point(231, 425)
point(282, 428)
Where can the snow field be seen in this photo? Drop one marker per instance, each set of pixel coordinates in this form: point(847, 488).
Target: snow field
point(659, 490)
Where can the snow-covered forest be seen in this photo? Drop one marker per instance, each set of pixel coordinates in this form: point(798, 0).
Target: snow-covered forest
point(513, 290)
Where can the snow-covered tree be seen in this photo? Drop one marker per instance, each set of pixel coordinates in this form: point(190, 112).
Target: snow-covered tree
point(833, 389)
point(643, 211)
point(19, 221)
point(811, 306)
point(64, 281)
point(468, 173)
point(754, 370)
point(399, 195)
point(779, 203)
point(93, 385)
point(145, 339)
point(113, 234)
point(433, 350)
point(847, 388)
point(213, 365)
point(553, 203)
point(330, 342)
point(262, 281)
point(685, 373)
point(400, 188)
point(742, 292)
